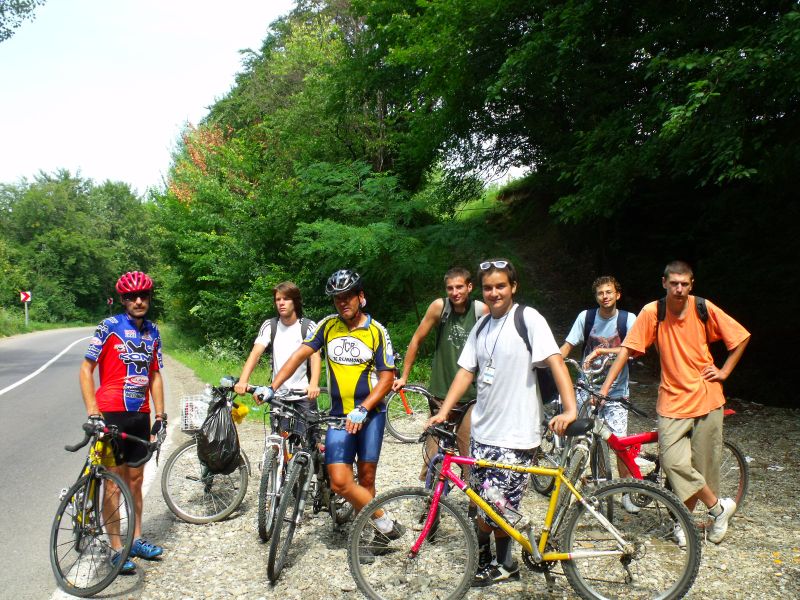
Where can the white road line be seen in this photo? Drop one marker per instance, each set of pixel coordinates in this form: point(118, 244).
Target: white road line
point(43, 367)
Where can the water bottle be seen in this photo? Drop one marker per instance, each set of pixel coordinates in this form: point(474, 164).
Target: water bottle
point(495, 497)
point(498, 501)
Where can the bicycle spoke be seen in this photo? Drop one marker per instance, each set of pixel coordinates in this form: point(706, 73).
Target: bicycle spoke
point(445, 565)
point(651, 566)
point(194, 494)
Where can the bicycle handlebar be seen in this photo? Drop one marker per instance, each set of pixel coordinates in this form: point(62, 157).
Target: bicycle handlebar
point(624, 401)
point(91, 431)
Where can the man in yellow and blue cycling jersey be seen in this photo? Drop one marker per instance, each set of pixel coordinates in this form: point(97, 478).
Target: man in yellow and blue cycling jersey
point(360, 364)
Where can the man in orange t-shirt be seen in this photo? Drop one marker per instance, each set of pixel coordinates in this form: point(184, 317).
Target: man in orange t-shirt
point(690, 397)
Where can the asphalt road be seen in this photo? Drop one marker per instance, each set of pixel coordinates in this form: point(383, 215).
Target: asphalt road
point(39, 414)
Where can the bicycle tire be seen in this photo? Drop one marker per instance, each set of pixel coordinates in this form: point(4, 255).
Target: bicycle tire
point(196, 496)
point(655, 568)
point(443, 569)
point(734, 475)
point(403, 426)
point(600, 465)
point(545, 457)
point(268, 493)
point(81, 551)
point(286, 519)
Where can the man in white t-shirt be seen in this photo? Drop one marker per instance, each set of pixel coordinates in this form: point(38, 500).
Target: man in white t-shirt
point(508, 412)
point(290, 328)
point(606, 327)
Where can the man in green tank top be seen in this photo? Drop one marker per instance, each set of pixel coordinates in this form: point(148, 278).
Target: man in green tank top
point(453, 317)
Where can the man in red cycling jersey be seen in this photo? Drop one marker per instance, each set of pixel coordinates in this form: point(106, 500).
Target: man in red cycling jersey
point(127, 348)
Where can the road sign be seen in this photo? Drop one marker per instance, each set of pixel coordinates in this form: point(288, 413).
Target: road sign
point(110, 301)
point(24, 296)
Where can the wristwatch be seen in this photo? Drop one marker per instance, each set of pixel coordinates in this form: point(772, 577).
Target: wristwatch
point(162, 416)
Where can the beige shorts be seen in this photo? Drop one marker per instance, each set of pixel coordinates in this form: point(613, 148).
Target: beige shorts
point(691, 450)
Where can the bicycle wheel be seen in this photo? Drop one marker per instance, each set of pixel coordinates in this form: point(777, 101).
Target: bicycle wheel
point(195, 494)
point(94, 520)
point(649, 565)
point(445, 566)
point(545, 457)
point(406, 421)
point(268, 493)
point(734, 474)
point(286, 519)
point(600, 464)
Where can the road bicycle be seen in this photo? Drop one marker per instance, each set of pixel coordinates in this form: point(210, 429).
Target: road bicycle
point(92, 532)
point(192, 492)
point(407, 410)
point(279, 446)
point(306, 477)
point(629, 556)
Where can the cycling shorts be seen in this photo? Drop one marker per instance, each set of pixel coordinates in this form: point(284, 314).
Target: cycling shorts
point(134, 423)
point(343, 447)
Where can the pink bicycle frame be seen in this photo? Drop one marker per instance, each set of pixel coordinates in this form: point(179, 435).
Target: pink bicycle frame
point(438, 490)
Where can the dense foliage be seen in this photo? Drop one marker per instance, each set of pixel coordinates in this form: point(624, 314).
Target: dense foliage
point(360, 130)
point(66, 240)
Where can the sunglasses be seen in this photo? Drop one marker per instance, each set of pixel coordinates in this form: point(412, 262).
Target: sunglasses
point(132, 296)
point(498, 264)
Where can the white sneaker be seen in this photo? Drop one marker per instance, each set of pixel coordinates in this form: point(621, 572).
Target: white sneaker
point(679, 536)
point(628, 504)
point(719, 525)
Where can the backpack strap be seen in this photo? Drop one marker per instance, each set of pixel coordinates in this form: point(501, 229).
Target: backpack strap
point(702, 309)
point(273, 329)
point(588, 323)
point(622, 324)
point(521, 327)
point(446, 310)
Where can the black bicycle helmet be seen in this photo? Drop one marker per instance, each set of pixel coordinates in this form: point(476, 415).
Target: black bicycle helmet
point(343, 280)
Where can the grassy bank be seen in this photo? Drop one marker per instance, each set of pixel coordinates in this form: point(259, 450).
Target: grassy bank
point(13, 323)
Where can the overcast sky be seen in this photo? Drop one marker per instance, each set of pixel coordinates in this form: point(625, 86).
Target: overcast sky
point(104, 87)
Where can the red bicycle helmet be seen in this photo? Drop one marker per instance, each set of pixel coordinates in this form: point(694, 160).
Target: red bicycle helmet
point(134, 281)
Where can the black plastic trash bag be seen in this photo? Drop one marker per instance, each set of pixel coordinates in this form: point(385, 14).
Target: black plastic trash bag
point(218, 440)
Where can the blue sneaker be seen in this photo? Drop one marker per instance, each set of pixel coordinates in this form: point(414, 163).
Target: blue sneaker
point(128, 566)
point(146, 550)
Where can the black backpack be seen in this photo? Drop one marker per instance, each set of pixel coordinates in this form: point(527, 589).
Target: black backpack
point(547, 385)
point(591, 315)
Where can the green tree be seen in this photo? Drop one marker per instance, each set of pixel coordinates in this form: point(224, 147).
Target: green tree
point(13, 13)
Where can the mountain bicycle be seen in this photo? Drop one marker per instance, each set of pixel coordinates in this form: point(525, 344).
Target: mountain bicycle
point(279, 446)
point(734, 470)
point(306, 476)
point(407, 410)
point(93, 528)
point(592, 450)
point(627, 556)
point(192, 492)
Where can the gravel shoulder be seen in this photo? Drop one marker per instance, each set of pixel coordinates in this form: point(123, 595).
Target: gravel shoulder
point(760, 558)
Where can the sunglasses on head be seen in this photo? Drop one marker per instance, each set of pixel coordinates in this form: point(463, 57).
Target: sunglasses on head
point(132, 296)
point(498, 264)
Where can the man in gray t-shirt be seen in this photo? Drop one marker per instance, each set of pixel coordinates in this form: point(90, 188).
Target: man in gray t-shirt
point(605, 333)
